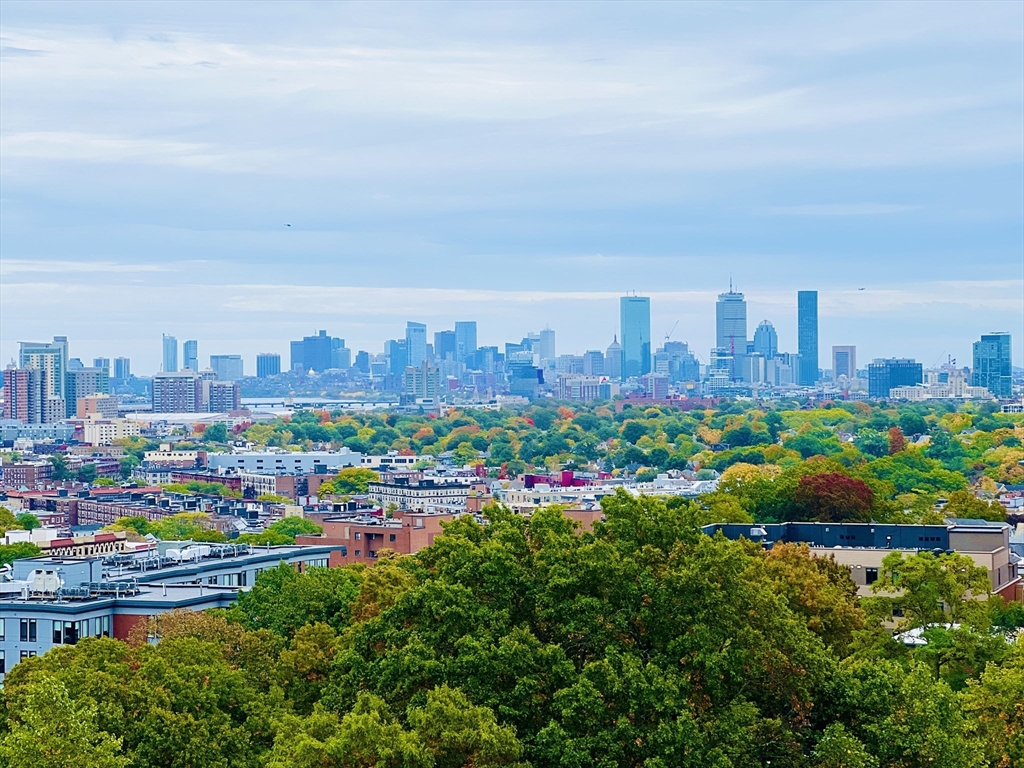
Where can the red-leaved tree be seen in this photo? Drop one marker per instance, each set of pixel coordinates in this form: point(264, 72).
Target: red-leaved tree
point(832, 497)
point(897, 442)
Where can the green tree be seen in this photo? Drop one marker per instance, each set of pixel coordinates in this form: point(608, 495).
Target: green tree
point(350, 480)
point(935, 589)
point(17, 551)
point(60, 468)
point(87, 473)
point(28, 521)
point(49, 729)
point(216, 433)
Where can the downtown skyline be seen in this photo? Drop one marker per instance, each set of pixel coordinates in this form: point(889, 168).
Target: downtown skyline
point(522, 165)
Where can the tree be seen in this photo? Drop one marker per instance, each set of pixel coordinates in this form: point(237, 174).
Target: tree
point(60, 468)
point(87, 473)
point(838, 748)
point(873, 444)
point(7, 520)
point(994, 705)
point(965, 504)
point(51, 730)
point(897, 442)
point(831, 497)
point(28, 521)
point(350, 480)
point(216, 433)
point(17, 551)
point(935, 589)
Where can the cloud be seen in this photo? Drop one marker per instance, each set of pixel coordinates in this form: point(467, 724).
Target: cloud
point(9, 267)
point(841, 209)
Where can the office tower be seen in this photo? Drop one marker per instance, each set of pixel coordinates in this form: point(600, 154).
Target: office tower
point(177, 392)
point(190, 354)
point(316, 352)
point(731, 323)
point(82, 383)
point(362, 362)
point(884, 375)
point(445, 345)
point(398, 357)
point(807, 336)
point(465, 340)
point(546, 346)
point(766, 340)
point(844, 362)
point(51, 357)
point(677, 362)
point(613, 360)
point(415, 343)
point(102, 362)
point(122, 368)
point(268, 364)
point(341, 357)
point(295, 356)
point(635, 328)
point(993, 365)
point(421, 381)
point(75, 364)
point(227, 367)
point(593, 362)
point(170, 358)
point(24, 394)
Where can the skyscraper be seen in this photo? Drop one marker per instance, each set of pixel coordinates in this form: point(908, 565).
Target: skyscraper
point(170, 354)
point(227, 367)
point(398, 356)
point(49, 356)
point(731, 332)
point(102, 362)
point(316, 352)
point(82, 383)
point(122, 368)
point(766, 340)
point(445, 345)
point(191, 354)
point(884, 375)
point(415, 343)
point(993, 364)
point(24, 393)
point(844, 362)
point(613, 360)
point(635, 328)
point(807, 336)
point(268, 364)
point(465, 340)
point(546, 347)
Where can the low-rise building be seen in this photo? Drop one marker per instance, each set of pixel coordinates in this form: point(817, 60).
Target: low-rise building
point(360, 538)
point(309, 462)
point(424, 495)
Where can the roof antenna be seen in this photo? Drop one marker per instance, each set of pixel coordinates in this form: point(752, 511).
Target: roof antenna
point(730, 282)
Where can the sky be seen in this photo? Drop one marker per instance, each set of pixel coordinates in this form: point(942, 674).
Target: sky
point(522, 165)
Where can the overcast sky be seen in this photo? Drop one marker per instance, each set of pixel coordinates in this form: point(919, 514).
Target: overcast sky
point(517, 164)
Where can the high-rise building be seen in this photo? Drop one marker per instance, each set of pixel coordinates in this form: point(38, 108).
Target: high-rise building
point(295, 362)
point(593, 362)
point(190, 354)
point(635, 327)
point(316, 352)
point(884, 375)
point(104, 363)
point(398, 356)
point(807, 336)
point(51, 357)
point(731, 323)
point(766, 340)
point(422, 381)
point(177, 392)
point(170, 358)
point(362, 361)
point(844, 362)
point(84, 382)
point(613, 360)
point(546, 347)
point(445, 345)
point(416, 343)
point(122, 368)
point(268, 364)
point(75, 364)
point(222, 396)
point(993, 366)
point(24, 394)
point(465, 340)
point(227, 367)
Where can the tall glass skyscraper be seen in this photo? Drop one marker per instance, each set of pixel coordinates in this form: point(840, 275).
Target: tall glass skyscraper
point(170, 354)
point(191, 354)
point(992, 364)
point(416, 343)
point(635, 326)
point(731, 322)
point(766, 340)
point(465, 340)
point(807, 336)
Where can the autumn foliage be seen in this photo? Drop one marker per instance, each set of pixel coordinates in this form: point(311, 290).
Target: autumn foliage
point(832, 498)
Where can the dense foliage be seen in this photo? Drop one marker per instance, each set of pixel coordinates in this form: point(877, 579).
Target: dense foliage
point(524, 642)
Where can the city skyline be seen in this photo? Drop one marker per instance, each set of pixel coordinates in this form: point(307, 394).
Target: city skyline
point(522, 165)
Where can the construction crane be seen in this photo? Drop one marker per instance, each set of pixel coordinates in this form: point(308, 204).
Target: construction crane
point(669, 334)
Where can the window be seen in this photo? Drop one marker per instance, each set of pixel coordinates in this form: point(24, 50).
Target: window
point(211, 580)
point(2, 637)
point(870, 575)
point(28, 631)
point(3, 663)
point(359, 536)
point(391, 537)
point(27, 654)
point(359, 553)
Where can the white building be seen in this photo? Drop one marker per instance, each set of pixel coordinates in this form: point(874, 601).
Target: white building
point(108, 431)
point(273, 462)
point(426, 495)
